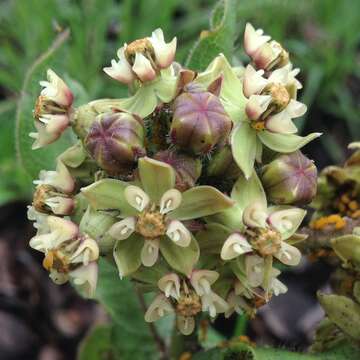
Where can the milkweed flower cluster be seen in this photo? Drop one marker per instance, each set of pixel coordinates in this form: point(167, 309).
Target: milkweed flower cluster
point(171, 185)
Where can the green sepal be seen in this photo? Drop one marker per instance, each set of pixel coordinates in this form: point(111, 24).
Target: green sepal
point(151, 275)
point(201, 201)
point(74, 156)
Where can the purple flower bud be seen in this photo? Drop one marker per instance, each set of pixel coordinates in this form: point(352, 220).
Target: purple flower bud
point(290, 179)
point(186, 167)
point(199, 122)
point(115, 141)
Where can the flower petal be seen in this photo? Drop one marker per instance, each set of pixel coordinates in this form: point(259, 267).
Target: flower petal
point(201, 280)
point(170, 200)
point(164, 53)
point(201, 201)
point(120, 70)
point(178, 233)
point(281, 123)
point(136, 197)
point(285, 143)
point(257, 105)
point(160, 307)
point(143, 69)
point(254, 82)
point(286, 220)
point(185, 324)
point(150, 252)
point(255, 215)
point(123, 229)
point(235, 245)
point(253, 39)
point(288, 254)
point(85, 279)
point(254, 265)
point(170, 285)
point(157, 177)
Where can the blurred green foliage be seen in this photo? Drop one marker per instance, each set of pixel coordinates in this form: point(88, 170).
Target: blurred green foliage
point(322, 35)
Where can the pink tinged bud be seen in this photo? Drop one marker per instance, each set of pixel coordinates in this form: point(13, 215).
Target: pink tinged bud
point(60, 179)
point(290, 179)
point(164, 52)
point(199, 122)
point(188, 169)
point(143, 69)
point(254, 39)
point(115, 141)
point(56, 90)
point(254, 82)
point(120, 70)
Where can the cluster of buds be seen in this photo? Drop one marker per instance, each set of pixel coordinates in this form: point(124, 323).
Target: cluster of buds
point(163, 184)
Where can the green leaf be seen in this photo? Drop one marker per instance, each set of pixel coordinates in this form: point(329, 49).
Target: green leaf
point(108, 194)
point(219, 39)
point(156, 177)
point(201, 201)
point(181, 259)
point(285, 143)
point(244, 147)
point(131, 335)
point(97, 344)
point(232, 218)
point(127, 254)
point(246, 192)
point(35, 160)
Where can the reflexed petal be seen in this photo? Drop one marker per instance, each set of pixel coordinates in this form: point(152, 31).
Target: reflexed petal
point(178, 233)
point(185, 324)
point(256, 105)
point(85, 278)
point(285, 143)
point(277, 287)
point(201, 201)
point(234, 246)
point(143, 69)
point(255, 215)
point(281, 123)
point(42, 137)
point(136, 197)
point(150, 252)
point(246, 192)
point(87, 251)
point(296, 108)
point(279, 76)
point(123, 229)
point(254, 265)
point(170, 285)
point(61, 179)
point(214, 304)
point(201, 280)
point(253, 39)
point(120, 70)
point(170, 201)
point(236, 303)
point(160, 307)
point(243, 146)
point(156, 177)
point(286, 221)
point(60, 205)
point(164, 53)
point(254, 82)
point(288, 254)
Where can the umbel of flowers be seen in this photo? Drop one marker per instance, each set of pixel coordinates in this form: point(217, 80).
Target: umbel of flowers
point(187, 186)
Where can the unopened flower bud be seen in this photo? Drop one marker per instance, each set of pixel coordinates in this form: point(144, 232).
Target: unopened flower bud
point(199, 123)
point(222, 164)
point(290, 179)
point(84, 117)
point(50, 201)
point(187, 168)
point(115, 141)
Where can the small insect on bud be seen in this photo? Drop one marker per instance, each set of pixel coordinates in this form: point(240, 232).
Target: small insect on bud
point(290, 179)
point(199, 123)
point(115, 141)
point(188, 169)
